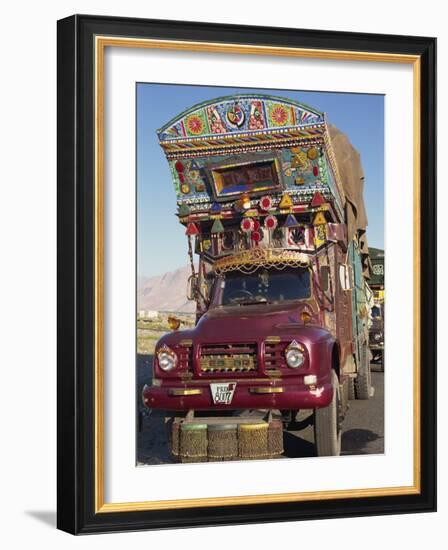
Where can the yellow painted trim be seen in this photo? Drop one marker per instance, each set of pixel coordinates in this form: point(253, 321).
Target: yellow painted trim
point(268, 389)
point(272, 340)
point(184, 391)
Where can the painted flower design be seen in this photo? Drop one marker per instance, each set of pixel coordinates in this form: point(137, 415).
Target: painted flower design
point(279, 115)
point(195, 125)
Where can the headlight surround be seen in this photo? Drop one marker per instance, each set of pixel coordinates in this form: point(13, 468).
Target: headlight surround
point(377, 336)
point(294, 355)
point(166, 358)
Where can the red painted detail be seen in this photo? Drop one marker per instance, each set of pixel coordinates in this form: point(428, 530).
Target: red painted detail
point(247, 224)
point(317, 199)
point(179, 166)
point(192, 229)
point(256, 236)
point(266, 203)
point(270, 222)
point(315, 170)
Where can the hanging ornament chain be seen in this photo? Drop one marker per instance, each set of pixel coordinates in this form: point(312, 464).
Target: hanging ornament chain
point(197, 291)
point(190, 255)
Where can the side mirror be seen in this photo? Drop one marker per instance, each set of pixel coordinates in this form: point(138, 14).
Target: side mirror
point(346, 276)
point(192, 287)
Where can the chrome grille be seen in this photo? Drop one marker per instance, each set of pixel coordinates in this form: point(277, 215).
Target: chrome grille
point(227, 358)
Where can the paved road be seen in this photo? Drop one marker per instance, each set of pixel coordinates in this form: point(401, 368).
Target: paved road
point(363, 429)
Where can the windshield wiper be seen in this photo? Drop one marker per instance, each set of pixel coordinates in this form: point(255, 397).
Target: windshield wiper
point(251, 302)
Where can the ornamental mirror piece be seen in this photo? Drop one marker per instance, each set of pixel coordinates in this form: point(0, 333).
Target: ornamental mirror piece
point(224, 299)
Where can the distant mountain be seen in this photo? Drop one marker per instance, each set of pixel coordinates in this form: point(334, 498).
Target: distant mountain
point(165, 292)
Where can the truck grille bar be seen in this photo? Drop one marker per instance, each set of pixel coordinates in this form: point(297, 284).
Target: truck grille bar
point(274, 356)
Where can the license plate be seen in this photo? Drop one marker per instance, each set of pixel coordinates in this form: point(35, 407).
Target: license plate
point(222, 394)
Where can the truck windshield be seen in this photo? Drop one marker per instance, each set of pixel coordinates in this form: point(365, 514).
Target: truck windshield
point(265, 285)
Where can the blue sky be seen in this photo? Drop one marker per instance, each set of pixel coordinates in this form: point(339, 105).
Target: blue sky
point(161, 241)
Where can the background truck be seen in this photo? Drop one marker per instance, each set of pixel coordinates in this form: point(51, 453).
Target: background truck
point(271, 200)
point(376, 329)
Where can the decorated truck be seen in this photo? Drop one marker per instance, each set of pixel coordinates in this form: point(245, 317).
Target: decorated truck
point(376, 328)
point(275, 229)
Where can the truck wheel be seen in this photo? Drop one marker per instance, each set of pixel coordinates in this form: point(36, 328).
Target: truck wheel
point(351, 389)
point(381, 360)
point(343, 392)
point(327, 424)
point(363, 380)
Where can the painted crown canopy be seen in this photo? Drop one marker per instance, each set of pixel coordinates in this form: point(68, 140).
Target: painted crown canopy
point(239, 114)
point(248, 160)
point(224, 149)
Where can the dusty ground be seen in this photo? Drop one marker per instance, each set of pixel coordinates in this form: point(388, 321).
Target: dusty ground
point(363, 429)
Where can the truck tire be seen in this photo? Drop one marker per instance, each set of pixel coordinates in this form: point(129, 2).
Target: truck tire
point(351, 389)
point(327, 420)
point(343, 392)
point(363, 380)
point(381, 362)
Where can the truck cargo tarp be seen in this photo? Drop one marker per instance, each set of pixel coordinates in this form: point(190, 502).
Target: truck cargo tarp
point(352, 175)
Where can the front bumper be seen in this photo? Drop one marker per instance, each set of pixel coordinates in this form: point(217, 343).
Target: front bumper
point(269, 394)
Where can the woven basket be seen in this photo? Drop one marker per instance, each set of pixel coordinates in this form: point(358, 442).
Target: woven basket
point(253, 440)
point(193, 442)
point(174, 438)
point(222, 442)
point(275, 438)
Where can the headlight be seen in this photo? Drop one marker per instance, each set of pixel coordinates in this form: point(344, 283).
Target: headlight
point(294, 355)
point(377, 336)
point(167, 358)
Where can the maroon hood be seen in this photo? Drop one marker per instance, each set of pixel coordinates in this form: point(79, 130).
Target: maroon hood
point(252, 323)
